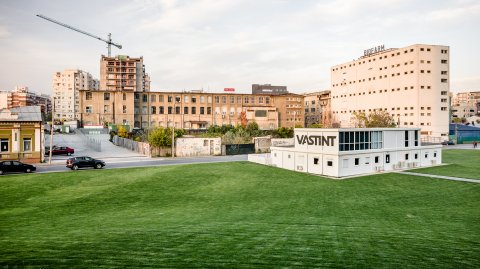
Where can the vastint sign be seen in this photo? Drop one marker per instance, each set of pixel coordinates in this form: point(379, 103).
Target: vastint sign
point(317, 140)
point(373, 50)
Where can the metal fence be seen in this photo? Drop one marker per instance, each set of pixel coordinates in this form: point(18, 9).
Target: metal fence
point(237, 149)
point(140, 147)
point(90, 142)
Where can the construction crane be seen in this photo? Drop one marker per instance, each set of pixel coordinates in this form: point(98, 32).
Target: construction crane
point(109, 41)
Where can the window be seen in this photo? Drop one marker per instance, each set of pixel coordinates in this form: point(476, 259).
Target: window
point(232, 99)
point(124, 96)
point(160, 98)
point(170, 99)
point(357, 161)
point(217, 99)
point(267, 100)
point(186, 99)
point(406, 138)
point(376, 159)
point(106, 96)
point(185, 110)
point(161, 110)
point(153, 110)
point(406, 157)
point(124, 109)
point(202, 110)
point(3, 145)
point(106, 108)
point(194, 110)
point(443, 108)
point(260, 100)
point(170, 110)
point(144, 98)
point(88, 109)
point(329, 163)
point(416, 138)
point(444, 72)
point(443, 80)
point(177, 110)
point(315, 161)
point(435, 154)
point(224, 99)
point(27, 144)
point(387, 158)
point(88, 96)
point(153, 98)
point(416, 156)
point(444, 61)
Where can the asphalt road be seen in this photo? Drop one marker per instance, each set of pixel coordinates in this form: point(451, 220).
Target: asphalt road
point(59, 165)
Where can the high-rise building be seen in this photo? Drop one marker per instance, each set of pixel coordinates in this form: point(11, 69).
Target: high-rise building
point(122, 73)
point(66, 87)
point(410, 83)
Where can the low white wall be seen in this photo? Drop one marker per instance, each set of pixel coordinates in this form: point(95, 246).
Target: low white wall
point(264, 159)
point(191, 146)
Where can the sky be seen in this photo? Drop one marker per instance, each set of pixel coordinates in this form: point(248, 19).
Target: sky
point(217, 44)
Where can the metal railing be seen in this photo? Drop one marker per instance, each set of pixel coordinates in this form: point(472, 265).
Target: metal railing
point(90, 142)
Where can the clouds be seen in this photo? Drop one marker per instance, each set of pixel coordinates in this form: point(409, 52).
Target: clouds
point(231, 43)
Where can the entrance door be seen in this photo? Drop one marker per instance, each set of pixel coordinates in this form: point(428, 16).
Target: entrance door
point(211, 147)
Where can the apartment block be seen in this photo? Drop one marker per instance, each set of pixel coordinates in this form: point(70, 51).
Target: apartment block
point(466, 104)
point(123, 73)
point(410, 83)
point(190, 110)
point(66, 92)
point(21, 96)
point(316, 105)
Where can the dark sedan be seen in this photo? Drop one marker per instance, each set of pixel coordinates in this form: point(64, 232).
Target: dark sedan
point(84, 161)
point(15, 166)
point(59, 151)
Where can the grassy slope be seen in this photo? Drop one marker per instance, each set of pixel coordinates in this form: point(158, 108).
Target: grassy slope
point(462, 163)
point(236, 214)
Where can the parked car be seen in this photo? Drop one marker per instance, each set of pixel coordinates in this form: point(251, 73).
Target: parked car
point(56, 150)
point(75, 163)
point(15, 166)
point(448, 142)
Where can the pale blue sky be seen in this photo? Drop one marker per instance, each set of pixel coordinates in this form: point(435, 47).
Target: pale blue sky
point(213, 44)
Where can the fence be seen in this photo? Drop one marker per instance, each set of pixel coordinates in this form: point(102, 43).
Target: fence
point(236, 149)
point(92, 143)
point(140, 147)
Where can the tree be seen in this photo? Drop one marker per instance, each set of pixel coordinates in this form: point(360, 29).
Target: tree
point(162, 137)
point(283, 132)
point(315, 125)
point(122, 132)
point(374, 119)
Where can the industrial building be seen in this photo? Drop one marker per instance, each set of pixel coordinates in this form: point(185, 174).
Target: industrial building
point(411, 83)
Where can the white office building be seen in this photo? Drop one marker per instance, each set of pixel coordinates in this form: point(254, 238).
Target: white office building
point(349, 152)
point(411, 83)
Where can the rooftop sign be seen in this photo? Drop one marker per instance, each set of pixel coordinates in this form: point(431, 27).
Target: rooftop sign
point(373, 50)
point(228, 89)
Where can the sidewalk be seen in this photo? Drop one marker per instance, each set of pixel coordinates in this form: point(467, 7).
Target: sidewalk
point(440, 177)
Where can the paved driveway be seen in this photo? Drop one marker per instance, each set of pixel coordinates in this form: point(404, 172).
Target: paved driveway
point(75, 141)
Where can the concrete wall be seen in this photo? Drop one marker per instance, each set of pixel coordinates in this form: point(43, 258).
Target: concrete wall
point(186, 147)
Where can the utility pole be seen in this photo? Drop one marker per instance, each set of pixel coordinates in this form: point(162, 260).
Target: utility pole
point(51, 135)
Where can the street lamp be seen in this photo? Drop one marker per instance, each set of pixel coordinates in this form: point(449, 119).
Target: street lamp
point(51, 134)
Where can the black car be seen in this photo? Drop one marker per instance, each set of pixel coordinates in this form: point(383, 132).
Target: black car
point(448, 142)
point(15, 166)
point(84, 161)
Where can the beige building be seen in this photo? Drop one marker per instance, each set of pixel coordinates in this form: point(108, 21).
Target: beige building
point(411, 83)
point(66, 92)
point(465, 104)
point(317, 107)
point(122, 73)
point(190, 110)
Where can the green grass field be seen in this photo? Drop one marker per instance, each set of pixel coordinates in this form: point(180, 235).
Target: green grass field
point(463, 163)
point(236, 215)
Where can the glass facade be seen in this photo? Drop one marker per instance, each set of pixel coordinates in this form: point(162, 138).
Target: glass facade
point(361, 140)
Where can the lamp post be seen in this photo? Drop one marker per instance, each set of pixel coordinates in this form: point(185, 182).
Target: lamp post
point(51, 134)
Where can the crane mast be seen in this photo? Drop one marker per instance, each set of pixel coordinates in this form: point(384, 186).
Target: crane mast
point(108, 41)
